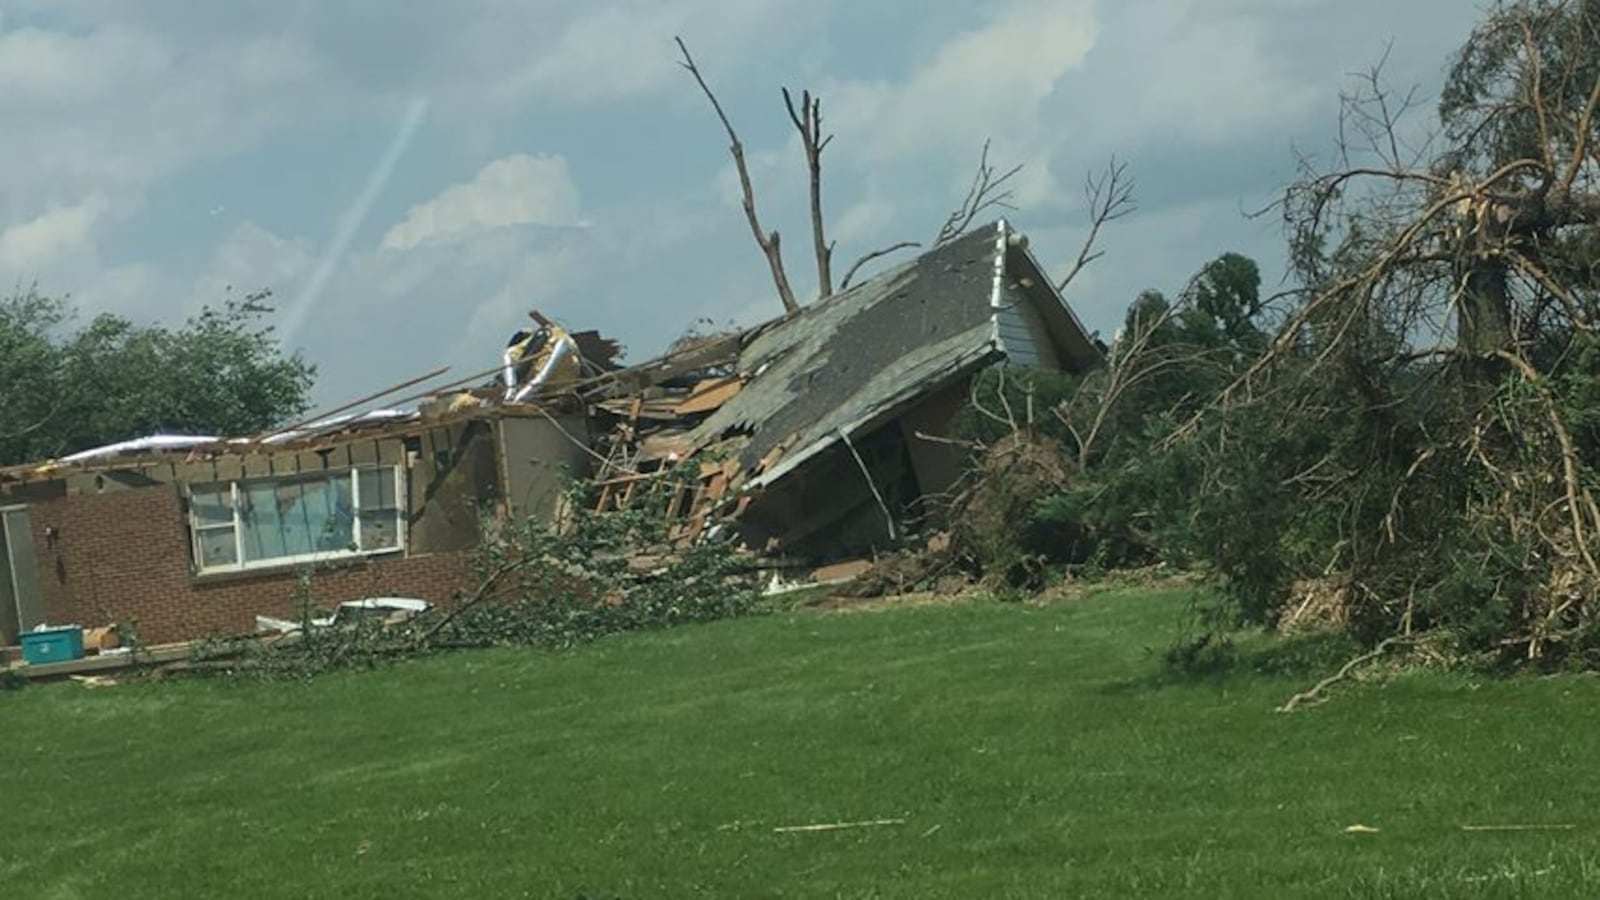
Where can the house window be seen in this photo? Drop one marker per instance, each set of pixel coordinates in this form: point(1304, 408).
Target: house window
point(296, 518)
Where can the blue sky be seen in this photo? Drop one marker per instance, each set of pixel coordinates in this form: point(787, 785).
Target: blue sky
point(409, 178)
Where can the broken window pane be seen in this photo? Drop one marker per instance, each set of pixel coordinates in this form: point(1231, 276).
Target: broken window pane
point(377, 489)
point(380, 509)
point(378, 530)
point(212, 505)
point(217, 547)
point(296, 516)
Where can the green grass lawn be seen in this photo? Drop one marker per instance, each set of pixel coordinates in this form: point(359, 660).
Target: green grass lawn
point(1030, 751)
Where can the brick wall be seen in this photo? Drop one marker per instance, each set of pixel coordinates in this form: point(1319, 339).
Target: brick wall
point(123, 556)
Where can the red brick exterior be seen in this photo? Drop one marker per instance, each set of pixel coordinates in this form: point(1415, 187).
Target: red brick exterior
point(123, 557)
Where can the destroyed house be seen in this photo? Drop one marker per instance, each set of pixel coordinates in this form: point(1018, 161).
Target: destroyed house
point(819, 434)
point(182, 537)
point(812, 437)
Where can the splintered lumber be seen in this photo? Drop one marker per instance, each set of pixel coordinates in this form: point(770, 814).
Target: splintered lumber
point(662, 446)
point(720, 351)
point(659, 409)
point(710, 395)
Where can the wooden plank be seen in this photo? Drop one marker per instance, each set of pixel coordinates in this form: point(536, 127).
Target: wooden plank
point(105, 662)
point(771, 459)
point(710, 395)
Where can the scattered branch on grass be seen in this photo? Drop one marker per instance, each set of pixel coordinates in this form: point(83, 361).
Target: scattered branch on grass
point(769, 242)
point(837, 826)
point(1316, 691)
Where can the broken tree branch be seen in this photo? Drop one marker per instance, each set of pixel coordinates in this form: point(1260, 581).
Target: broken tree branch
point(987, 191)
point(808, 121)
point(869, 257)
point(1344, 672)
point(1110, 197)
point(769, 242)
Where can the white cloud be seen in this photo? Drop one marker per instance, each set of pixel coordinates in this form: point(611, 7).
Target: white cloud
point(41, 69)
point(1201, 71)
point(863, 221)
point(623, 49)
point(989, 80)
point(116, 109)
point(30, 247)
point(252, 258)
point(514, 190)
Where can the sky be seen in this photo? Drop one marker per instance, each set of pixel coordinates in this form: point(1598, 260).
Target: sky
point(410, 178)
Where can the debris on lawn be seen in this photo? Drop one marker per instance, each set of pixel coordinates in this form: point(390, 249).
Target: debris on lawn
point(837, 826)
point(387, 610)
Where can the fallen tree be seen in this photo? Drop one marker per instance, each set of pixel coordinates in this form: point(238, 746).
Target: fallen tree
point(1421, 427)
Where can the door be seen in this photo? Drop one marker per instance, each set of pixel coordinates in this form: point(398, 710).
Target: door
point(21, 607)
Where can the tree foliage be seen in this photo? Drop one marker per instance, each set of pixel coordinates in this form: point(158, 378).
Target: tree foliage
point(1113, 499)
point(63, 389)
point(1414, 432)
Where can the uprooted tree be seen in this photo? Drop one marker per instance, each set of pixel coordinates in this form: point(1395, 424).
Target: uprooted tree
point(1420, 438)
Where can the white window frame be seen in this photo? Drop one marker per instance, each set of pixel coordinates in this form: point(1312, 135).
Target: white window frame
point(241, 565)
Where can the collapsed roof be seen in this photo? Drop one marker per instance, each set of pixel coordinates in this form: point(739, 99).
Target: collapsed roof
point(845, 364)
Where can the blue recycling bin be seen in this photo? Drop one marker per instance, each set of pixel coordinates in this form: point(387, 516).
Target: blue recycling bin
point(52, 645)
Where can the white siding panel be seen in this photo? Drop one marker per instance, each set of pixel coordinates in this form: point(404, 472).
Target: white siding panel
point(1023, 332)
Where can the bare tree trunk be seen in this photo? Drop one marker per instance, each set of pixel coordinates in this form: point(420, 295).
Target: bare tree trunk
point(768, 242)
point(808, 121)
